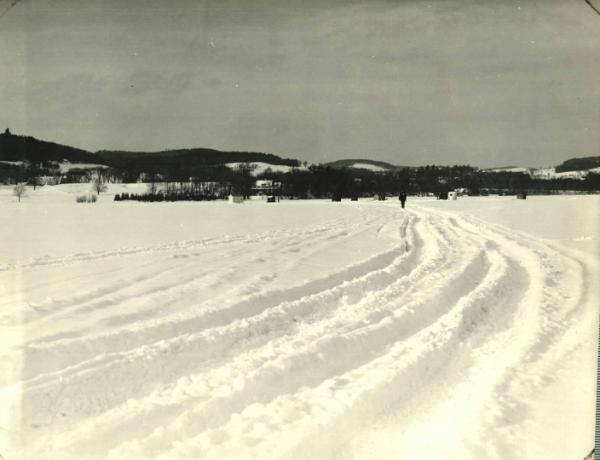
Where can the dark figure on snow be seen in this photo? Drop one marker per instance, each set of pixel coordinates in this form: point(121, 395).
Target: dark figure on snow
point(402, 199)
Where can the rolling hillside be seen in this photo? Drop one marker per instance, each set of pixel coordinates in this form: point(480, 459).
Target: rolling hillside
point(25, 148)
point(579, 164)
point(15, 149)
point(186, 159)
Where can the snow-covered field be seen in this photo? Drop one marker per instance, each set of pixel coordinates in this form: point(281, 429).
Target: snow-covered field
point(303, 329)
point(368, 166)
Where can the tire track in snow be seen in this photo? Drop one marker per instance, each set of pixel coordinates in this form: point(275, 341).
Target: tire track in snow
point(53, 306)
point(184, 245)
point(455, 314)
point(534, 296)
point(361, 390)
point(566, 303)
point(368, 269)
point(164, 294)
point(429, 269)
point(43, 354)
point(308, 297)
point(282, 237)
point(291, 363)
point(499, 386)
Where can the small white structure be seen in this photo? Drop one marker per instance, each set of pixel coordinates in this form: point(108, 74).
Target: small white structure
point(236, 199)
point(452, 195)
point(258, 198)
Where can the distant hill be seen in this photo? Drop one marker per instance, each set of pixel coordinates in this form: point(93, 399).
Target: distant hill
point(16, 149)
point(578, 164)
point(186, 158)
point(371, 165)
point(26, 148)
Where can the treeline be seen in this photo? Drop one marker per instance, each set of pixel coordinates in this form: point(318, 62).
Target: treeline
point(50, 173)
point(325, 182)
point(160, 196)
point(499, 182)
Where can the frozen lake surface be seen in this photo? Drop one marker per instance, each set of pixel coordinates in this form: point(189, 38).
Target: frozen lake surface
point(300, 330)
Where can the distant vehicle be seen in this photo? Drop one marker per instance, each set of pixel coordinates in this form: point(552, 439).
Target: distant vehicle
point(521, 196)
point(442, 195)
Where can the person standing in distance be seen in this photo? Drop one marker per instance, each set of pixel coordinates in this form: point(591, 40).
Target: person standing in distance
point(402, 199)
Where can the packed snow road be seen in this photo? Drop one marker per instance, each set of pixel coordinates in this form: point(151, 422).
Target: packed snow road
point(359, 330)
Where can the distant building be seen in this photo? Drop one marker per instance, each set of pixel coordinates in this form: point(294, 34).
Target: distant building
point(49, 180)
point(266, 187)
point(147, 177)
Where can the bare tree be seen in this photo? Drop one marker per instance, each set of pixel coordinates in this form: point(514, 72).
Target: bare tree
point(34, 173)
point(55, 172)
point(98, 186)
point(36, 181)
point(242, 179)
point(152, 181)
point(20, 190)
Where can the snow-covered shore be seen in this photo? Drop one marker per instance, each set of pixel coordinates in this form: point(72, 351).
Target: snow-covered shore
point(304, 329)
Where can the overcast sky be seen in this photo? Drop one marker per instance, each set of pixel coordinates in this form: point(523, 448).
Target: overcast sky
point(488, 83)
